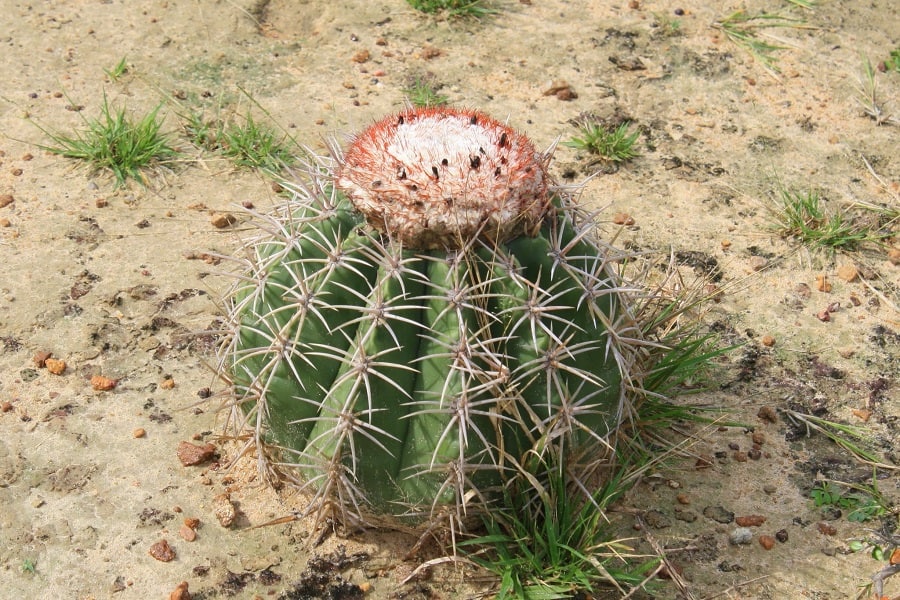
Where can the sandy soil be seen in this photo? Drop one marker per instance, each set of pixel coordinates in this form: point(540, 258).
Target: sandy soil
point(109, 280)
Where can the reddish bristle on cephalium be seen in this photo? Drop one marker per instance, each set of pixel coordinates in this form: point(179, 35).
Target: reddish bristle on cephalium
point(435, 178)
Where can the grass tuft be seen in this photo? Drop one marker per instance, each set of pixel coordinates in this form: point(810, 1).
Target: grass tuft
point(117, 143)
point(804, 218)
point(548, 540)
point(610, 144)
point(254, 145)
point(422, 94)
point(453, 8)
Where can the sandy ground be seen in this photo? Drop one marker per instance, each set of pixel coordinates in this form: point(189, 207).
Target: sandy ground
point(109, 280)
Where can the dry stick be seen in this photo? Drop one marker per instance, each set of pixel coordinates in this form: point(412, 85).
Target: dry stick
point(676, 577)
point(735, 586)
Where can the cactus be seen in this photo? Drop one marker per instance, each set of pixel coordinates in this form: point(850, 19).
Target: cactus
point(424, 314)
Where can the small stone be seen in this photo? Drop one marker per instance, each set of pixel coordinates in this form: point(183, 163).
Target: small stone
point(848, 272)
point(191, 454)
point(767, 340)
point(224, 510)
point(767, 541)
point(894, 256)
point(103, 384)
point(40, 359)
point(758, 437)
point(167, 384)
point(769, 489)
point(57, 367)
point(162, 551)
point(4, 222)
point(826, 528)
point(754, 454)
point(824, 315)
point(180, 592)
point(767, 413)
point(863, 414)
point(781, 535)
point(688, 516)
point(822, 283)
point(187, 533)
point(740, 456)
point(718, 514)
point(6, 200)
point(6, 406)
point(758, 263)
point(803, 291)
point(623, 219)
point(361, 56)
point(750, 520)
point(683, 499)
point(740, 536)
point(223, 220)
point(726, 244)
point(101, 203)
point(139, 433)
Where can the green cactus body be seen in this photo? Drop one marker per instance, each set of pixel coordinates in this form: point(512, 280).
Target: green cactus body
point(411, 382)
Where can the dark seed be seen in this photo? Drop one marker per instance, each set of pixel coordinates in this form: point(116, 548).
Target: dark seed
point(503, 139)
point(444, 162)
point(400, 120)
point(497, 172)
point(475, 162)
point(474, 120)
point(434, 170)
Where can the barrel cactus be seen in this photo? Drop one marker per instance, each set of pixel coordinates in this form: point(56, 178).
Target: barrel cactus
point(425, 313)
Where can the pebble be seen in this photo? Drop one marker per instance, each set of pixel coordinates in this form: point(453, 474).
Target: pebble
point(740, 536)
point(683, 499)
point(361, 56)
point(894, 256)
point(40, 358)
point(167, 384)
point(718, 514)
point(758, 437)
point(162, 551)
point(781, 535)
point(224, 510)
point(223, 220)
point(192, 454)
point(770, 489)
point(826, 528)
point(758, 263)
point(688, 516)
point(768, 341)
point(180, 592)
point(848, 272)
point(187, 533)
point(103, 384)
point(6, 200)
point(822, 283)
point(623, 219)
point(750, 520)
point(139, 433)
point(767, 413)
point(767, 541)
point(57, 367)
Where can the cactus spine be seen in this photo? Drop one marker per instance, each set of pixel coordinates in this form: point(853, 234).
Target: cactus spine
point(417, 321)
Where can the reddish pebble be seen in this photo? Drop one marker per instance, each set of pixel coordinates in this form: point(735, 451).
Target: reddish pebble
point(825, 528)
point(758, 437)
point(191, 454)
point(187, 533)
point(162, 551)
point(683, 499)
point(767, 541)
point(139, 433)
point(180, 592)
point(750, 520)
point(767, 413)
point(40, 359)
point(57, 367)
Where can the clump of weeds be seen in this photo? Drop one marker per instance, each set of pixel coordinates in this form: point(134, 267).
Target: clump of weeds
point(605, 142)
point(118, 143)
point(453, 8)
point(422, 93)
